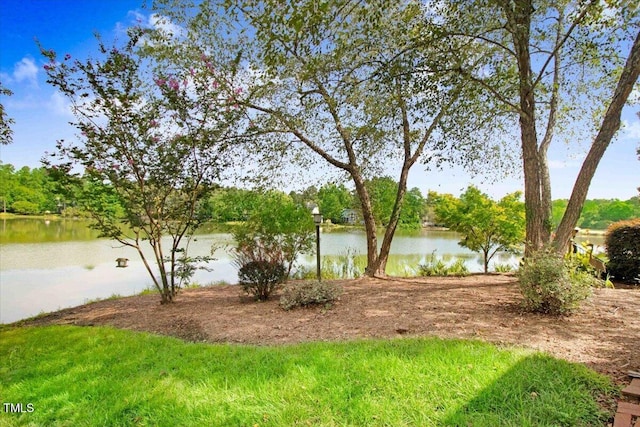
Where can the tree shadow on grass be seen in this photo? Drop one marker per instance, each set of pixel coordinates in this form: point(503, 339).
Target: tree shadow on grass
point(540, 391)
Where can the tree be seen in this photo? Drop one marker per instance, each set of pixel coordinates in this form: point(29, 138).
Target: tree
point(6, 185)
point(6, 133)
point(339, 82)
point(552, 64)
point(307, 197)
point(277, 226)
point(151, 140)
point(333, 200)
point(230, 204)
point(610, 125)
point(488, 227)
point(414, 209)
point(383, 191)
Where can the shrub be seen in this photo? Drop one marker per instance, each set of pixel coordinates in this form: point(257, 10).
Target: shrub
point(279, 225)
point(261, 268)
point(309, 293)
point(550, 285)
point(25, 208)
point(437, 267)
point(261, 278)
point(503, 268)
point(623, 249)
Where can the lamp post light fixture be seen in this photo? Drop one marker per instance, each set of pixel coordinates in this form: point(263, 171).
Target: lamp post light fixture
point(317, 219)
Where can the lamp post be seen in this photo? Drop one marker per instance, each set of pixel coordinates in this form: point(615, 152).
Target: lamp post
point(317, 219)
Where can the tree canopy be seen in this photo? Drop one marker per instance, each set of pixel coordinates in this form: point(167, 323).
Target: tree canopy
point(487, 226)
point(553, 64)
point(343, 83)
point(151, 144)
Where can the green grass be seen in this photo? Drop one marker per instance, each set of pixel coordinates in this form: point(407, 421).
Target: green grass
point(106, 377)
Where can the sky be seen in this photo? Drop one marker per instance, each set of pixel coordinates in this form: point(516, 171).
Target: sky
point(42, 117)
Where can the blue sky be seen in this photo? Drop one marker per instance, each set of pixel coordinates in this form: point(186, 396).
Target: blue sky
point(67, 26)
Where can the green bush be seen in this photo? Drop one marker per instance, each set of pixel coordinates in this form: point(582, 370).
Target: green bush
point(551, 285)
point(261, 278)
point(25, 208)
point(503, 268)
point(623, 249)
point(261, 268)
point(309, 293)
point(437, 267)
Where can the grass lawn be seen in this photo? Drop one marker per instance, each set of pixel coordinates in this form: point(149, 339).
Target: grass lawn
point(95, 376)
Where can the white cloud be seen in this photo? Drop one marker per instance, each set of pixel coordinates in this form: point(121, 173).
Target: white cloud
point(165, 25)
point(59, 105)
point(630, 130)
point(25, 70)
point(155, 21)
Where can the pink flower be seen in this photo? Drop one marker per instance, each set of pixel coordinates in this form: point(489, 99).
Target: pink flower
point(216, 85)
point(238, 91)
point(67, 57)
point(173, 84)
point(153, 124)
point(130, 162)
point(48, 67)
point(115, 166)
point(159, 81)
point(192, 71)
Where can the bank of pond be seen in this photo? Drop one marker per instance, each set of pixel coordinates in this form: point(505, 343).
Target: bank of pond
point(51, 263)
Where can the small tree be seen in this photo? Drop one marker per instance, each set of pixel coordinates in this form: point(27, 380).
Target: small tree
point(151, 147)
point(487, 226)
point(277, 225)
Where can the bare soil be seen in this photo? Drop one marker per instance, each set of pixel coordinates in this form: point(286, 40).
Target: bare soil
point(603, 334)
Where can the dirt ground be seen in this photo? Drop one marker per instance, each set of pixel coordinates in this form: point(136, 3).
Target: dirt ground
point(604, 334)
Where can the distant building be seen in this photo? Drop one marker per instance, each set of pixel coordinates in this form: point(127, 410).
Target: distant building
point(350, 216)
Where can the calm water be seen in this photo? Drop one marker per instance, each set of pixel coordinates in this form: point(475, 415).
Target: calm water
point(47, 265)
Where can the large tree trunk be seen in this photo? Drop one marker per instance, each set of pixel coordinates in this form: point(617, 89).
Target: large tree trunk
point(369, 224)
point(610, 125)
point(518, 24)
point(545, 178)
point(385, 247)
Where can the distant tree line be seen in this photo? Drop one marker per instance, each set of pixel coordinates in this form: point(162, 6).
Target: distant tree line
point(336, 202)
point(28, 191)
point(32, 191)
point(600, 213)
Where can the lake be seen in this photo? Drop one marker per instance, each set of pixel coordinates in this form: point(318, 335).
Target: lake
point(46, 265)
